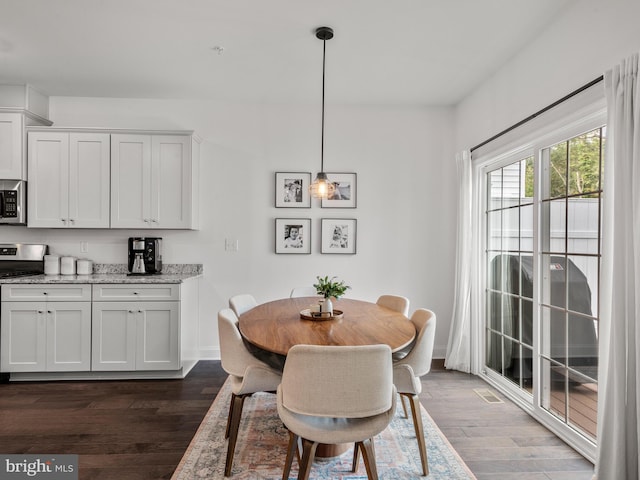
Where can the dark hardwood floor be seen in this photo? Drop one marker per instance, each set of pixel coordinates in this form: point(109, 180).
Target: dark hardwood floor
point(135, 430)
point(124, 430)
point(497, 441)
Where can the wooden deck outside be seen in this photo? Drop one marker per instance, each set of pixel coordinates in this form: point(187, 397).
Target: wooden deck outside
point(582, 405)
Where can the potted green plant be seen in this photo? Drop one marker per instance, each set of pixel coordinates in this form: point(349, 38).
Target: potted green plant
point(329, 288)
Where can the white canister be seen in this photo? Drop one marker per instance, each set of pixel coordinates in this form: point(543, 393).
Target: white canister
point(84, 266)
point(51, 265)
point(68, 266)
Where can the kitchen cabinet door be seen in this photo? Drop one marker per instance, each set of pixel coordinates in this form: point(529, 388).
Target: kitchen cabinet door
point(113, 336)
point(12, 146)
point(68, 180)
point(68, 337)
point(89, 182)
point(130, 181)
point(48, 184)
point(171, 181)
point(23, 337)
point(158, 339)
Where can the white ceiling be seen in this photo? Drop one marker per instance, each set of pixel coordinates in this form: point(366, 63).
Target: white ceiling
point(430, 52)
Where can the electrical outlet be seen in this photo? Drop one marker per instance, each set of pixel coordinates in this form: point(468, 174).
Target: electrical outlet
point(84, 247)
point(231, 245)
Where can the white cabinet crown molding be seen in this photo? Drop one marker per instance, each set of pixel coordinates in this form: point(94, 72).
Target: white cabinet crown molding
point(137, 131)
point(38, 120)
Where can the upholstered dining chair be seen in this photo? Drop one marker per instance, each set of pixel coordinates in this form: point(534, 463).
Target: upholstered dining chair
point(395, 302)
point(399, 304)
point(303, 292)
point(408, 370)
point(241, 303)
point(333, 395)
point(248, 375)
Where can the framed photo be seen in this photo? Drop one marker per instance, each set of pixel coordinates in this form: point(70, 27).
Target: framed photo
point(293, 235)
point(339, 235)
point(292, 190)
point(345, 193)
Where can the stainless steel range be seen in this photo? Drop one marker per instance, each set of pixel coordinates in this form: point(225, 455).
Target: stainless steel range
point(21, 259)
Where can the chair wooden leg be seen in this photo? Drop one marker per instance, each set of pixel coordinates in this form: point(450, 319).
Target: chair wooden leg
point(419, 428)
point(299, 450)
point(226, 431)
point(308, 454)
point(369, 456)
point(404, 406)
point(292, 448)
point(235, 412)
point(356, 458)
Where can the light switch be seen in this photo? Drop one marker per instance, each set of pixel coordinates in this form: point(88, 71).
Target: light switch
point(231, 245)
point(84, 247)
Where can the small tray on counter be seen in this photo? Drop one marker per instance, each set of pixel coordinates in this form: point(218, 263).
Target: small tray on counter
point(306, 314)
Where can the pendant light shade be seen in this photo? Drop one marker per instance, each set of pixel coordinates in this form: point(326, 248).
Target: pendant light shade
point(321, 186)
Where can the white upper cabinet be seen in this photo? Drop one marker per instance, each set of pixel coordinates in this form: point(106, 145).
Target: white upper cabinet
point(11, 146)
point(20, 106)
point(153, 181)
point(68, 181)
point(94, 178)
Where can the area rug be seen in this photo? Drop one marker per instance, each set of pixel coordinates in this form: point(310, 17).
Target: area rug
point(262, 442)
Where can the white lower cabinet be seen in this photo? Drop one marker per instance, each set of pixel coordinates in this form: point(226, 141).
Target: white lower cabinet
point(45, 336)
point(135, 336)
point(97, 329)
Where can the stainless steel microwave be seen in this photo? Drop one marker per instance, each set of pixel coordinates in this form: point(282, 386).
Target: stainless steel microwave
point(13, 202)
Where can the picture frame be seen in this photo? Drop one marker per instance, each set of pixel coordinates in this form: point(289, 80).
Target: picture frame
point(339, 235)
point(290, 240)
point(292, 189)
point(346, 191)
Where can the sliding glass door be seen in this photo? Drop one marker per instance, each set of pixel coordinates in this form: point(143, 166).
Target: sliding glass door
point(509, 257)
point(542, 224)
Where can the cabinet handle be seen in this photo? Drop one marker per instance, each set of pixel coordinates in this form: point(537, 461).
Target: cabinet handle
point(40, 311)
point(49, 311)
point(45, 293)
point(139, 311)
point(132, 311)
point(64, 220)
point(72, 220)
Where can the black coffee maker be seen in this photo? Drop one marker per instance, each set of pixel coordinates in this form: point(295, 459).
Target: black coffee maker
point(145, 255)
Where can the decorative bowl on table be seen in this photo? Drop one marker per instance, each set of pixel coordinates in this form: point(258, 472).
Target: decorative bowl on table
point(307, 314)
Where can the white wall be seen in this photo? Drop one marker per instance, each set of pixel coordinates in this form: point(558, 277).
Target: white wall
point(589, 38)
point(405, 212)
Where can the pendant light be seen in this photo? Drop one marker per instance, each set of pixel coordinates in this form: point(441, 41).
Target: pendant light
point(321, 186)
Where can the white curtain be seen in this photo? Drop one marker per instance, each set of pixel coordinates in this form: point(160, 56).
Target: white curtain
point(458, 356)
point(618, 399)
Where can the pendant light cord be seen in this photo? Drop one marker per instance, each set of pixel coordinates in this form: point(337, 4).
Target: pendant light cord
point(324, 48)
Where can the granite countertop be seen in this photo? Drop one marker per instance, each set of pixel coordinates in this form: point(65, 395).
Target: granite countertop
point(116, 273)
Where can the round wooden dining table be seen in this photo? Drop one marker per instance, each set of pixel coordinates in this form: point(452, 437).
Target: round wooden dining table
point(277, 326)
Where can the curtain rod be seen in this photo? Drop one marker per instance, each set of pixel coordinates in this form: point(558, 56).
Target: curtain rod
point(539, 112)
